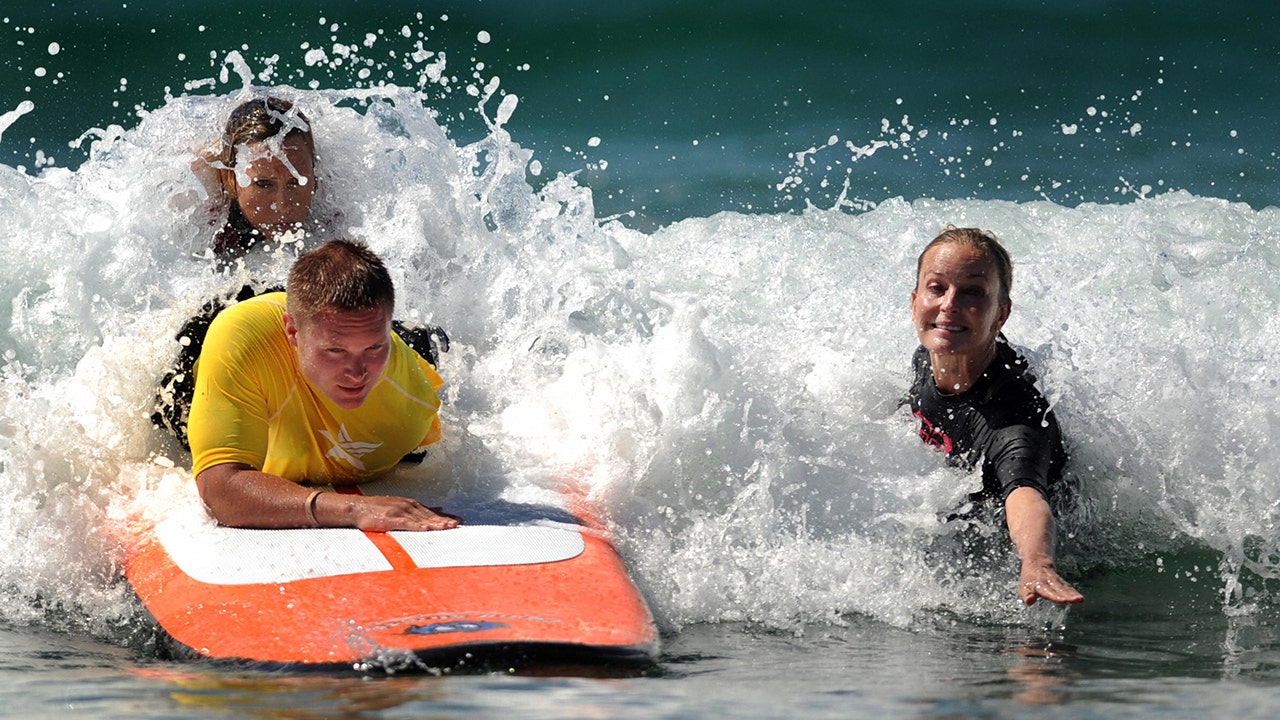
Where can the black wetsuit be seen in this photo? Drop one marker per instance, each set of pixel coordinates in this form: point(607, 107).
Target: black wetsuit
point(236, 237)
point(1002, 421)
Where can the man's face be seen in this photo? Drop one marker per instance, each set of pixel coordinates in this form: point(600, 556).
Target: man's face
point(342, 354)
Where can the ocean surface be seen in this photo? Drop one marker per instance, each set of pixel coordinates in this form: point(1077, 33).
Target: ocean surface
point(673, 244)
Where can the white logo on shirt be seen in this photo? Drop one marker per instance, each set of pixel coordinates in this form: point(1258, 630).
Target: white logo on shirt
point(347, 450)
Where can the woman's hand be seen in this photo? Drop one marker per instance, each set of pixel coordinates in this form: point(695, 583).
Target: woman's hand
point(1031, 529)
point(1042, 581)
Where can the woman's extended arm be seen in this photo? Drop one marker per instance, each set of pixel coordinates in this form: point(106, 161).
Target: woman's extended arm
point(1031, 529)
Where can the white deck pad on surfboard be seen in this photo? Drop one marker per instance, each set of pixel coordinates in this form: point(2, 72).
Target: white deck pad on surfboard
point(230, 556)
point(487, 545)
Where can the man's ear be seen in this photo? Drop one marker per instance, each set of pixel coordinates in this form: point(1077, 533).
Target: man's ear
point(291, 329)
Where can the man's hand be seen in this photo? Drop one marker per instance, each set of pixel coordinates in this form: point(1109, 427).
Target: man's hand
point(379, 513)
point(238, 495)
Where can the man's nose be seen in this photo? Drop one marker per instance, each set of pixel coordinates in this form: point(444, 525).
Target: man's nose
point(357, 368)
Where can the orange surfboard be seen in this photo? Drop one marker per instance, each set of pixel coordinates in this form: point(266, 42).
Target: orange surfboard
point(516, 586)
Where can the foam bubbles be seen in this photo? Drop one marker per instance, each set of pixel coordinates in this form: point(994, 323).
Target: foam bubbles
point(726, 387)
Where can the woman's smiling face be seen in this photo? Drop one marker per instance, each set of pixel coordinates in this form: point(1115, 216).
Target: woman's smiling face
point(956, 306)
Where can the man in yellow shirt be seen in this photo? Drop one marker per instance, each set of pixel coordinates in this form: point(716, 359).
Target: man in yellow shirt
point(310, 386)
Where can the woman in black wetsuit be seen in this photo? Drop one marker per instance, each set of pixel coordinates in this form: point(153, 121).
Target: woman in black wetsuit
point(262, 170)
point(976, 402)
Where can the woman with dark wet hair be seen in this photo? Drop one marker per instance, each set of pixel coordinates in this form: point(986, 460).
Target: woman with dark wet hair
point(264, 166)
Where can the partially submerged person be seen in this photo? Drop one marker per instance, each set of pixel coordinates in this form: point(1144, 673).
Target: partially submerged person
point(977, 402)
point(263, 170)
point(311, 387)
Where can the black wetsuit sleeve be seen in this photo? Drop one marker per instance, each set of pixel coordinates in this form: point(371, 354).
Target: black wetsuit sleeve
point(1020, 456)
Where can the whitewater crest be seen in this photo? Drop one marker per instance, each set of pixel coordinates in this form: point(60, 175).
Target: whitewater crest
point(727, 388)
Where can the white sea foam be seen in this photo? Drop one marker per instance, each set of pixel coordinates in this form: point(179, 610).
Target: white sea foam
point(727, 387)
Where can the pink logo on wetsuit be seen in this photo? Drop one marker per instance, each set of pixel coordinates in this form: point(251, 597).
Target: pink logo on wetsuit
point(933, 436)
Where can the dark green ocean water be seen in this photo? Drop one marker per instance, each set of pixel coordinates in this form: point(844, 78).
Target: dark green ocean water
point(699, 106)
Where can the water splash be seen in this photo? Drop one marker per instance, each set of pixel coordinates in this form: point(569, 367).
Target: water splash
point(727, 386)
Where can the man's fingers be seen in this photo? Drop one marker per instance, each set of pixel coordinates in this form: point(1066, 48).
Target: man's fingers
point(383, 513)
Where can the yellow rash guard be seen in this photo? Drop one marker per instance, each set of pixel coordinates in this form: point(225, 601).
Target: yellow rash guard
point(253, 405)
